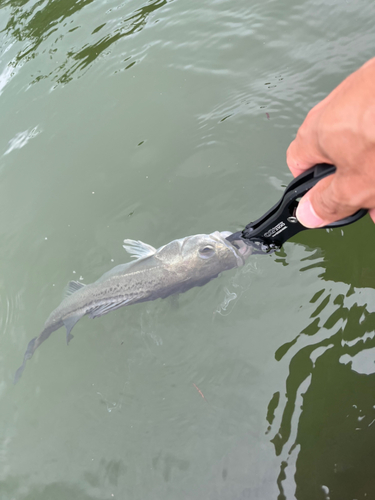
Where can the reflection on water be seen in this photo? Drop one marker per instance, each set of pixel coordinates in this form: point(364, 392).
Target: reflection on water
point(326, 430)
point(21, 139)
point(46, 22)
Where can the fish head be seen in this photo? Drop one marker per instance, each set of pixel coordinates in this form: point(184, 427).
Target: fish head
point(223, 250)
point(203, 256)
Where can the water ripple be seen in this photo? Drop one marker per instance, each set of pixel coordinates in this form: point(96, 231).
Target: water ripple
point(21, 139)
point(62, 42)
point(341, 335)
point(9, 307)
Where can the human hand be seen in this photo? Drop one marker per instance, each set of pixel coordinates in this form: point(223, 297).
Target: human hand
point(339, 130)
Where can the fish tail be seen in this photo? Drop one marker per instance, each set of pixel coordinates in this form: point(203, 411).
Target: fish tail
point(28, 354)
point(34, 344)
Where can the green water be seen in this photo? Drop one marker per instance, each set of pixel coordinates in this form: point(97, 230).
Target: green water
point(154, 121)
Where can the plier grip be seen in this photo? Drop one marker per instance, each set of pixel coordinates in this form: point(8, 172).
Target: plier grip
point(279, 224)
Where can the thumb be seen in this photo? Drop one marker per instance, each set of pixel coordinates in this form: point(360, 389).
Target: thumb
point(324, 203)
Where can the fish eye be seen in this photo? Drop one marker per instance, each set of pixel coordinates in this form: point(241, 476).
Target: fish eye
point(207, 252)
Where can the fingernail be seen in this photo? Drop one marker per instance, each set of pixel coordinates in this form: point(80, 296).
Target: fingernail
point(307, 216)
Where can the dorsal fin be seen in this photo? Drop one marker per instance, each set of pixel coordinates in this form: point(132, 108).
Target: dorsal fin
point(138, 249)
point(72, 287)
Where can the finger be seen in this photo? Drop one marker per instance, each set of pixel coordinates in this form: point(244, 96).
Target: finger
point(372, 214)
point(297, 164)
point(303, 152)
point(325, 203)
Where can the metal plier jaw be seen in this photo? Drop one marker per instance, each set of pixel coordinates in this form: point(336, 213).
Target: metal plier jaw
point(279, 224)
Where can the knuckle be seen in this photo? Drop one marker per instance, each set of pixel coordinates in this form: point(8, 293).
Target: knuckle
point(290, 155)
point(303, 130)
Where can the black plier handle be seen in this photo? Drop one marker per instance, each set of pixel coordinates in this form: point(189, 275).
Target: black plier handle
point(279, 224)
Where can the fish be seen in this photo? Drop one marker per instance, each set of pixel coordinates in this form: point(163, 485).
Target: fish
point(155, 273)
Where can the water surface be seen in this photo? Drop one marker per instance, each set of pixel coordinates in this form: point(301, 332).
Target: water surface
point(152, 121)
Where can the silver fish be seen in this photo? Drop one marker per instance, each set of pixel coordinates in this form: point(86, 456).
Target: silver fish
point(156, 273)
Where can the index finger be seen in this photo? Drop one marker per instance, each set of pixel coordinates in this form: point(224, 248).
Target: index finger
point(303, 152)
point(296, 166)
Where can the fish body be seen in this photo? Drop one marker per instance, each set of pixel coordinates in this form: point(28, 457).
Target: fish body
point(156, 273)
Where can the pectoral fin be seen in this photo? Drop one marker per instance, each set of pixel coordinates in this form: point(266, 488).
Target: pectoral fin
point(110, 306)
point(69, 324)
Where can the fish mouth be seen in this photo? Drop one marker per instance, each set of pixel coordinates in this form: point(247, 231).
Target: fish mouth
point(240, 250)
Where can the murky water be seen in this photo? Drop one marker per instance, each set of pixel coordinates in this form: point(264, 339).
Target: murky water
point(152, 121)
